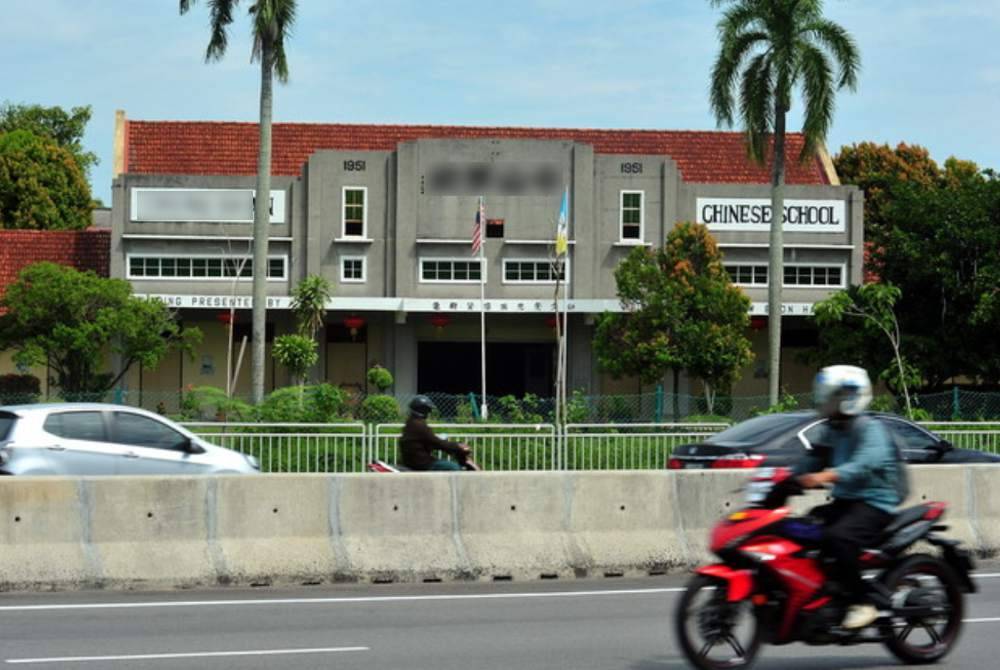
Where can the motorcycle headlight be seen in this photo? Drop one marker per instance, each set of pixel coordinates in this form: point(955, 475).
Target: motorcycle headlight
point(252, 460)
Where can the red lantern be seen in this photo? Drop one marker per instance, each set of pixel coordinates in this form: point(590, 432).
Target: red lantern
point(440, 321)
point(758, 322)
point(225, 317)
point(354, 324)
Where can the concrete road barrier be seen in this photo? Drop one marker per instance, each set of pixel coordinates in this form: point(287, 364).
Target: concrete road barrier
point(147, 532)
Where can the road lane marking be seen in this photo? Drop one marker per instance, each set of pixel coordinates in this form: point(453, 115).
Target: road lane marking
point(334, 601)
point(989, 620)
point(207, 654)
point(357, 599)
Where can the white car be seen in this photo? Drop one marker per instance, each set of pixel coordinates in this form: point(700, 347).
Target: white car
point(103, 439)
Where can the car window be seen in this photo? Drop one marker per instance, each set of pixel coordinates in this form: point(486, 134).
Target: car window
point(142, 431)
point(912, 438)
point(76, 426)
point(6, 423)
point(816, 433)
point(759, 429)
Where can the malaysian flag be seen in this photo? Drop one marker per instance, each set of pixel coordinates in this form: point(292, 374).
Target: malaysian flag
point(477, 230)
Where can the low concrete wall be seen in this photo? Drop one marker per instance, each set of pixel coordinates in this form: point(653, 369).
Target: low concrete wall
point(149, 532)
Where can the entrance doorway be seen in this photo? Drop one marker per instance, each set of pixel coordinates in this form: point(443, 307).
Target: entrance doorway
point(512, 368)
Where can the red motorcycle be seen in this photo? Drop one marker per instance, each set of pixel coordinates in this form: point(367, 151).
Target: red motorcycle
point(770, 587)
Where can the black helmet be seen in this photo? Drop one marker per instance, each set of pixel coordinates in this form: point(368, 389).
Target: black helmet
point(421, 407)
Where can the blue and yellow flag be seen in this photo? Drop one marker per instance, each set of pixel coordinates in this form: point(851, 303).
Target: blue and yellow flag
point(562, 228)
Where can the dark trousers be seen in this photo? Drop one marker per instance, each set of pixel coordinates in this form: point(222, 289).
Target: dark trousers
point(848, 527)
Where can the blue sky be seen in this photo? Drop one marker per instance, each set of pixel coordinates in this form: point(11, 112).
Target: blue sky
point(929, 73)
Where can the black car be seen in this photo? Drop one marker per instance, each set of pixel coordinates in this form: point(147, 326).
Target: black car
point(782, 439)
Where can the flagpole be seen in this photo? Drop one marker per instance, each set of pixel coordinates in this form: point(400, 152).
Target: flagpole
point(483, 411)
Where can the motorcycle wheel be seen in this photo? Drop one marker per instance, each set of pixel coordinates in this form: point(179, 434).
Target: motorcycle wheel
point(706, 623)
point(928, 639)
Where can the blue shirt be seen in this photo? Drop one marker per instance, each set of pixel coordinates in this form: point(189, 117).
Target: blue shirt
point(867, 471)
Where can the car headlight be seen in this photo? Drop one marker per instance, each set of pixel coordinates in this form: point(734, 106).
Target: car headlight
point(4, 456)
point(254, 463)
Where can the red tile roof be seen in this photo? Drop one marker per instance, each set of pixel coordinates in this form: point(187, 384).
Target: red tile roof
point(230, 148)
point(82, 249)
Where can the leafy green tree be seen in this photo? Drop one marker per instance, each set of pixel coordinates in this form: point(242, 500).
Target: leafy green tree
point(272, 23)
point(681, 312)
point(309, 298)
point(72, 320)
point(41, 185)
point(873, 305)
point(767, 49)
point(64, 128)
point(942, 250)
point(877, 168)
point(297, 353)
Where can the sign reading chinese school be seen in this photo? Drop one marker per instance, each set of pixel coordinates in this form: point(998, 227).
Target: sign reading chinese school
point(754, 214)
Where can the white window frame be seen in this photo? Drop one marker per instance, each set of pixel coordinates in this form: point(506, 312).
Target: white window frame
point(621, 217)
point(841, 266)
point(270, 257)
point(343, 213)
point(436, 259)
point(344, 279)
point(726, 266)
point(538, 261)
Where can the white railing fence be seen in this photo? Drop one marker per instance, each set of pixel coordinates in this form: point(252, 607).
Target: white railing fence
point(349, 447)
point(293, 447)
point(502, 446)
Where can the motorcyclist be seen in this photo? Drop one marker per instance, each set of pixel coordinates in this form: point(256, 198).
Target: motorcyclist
point(863, 467)
point(418, 441)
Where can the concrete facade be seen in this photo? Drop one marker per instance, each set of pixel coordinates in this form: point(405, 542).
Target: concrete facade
point(411, 216)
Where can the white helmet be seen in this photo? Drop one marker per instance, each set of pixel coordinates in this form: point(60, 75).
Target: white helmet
point(842, 390)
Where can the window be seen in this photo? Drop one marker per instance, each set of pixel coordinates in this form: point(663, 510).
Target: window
point(631, 215)
point(142, 431)
point(531, 272)
point(202, 267)
point(355, 213)
point(450, 270)
point(352, 269)
point(913, 438)
point(76, 426)
point(814, 275)
point(748, 275)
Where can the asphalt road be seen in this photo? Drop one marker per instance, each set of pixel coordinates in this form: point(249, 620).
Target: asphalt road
point(585, 624)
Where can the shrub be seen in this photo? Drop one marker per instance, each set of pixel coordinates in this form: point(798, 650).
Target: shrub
point(786, 403)
point(883, 403)
point(577, 409)
point(380, 378)
point(380, 409)
point(19, 389)
point(707, 418)
point(512, 410)
point(322, 403)
point(202, 403)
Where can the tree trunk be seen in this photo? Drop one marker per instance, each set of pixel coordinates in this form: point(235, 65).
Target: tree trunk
point(261, 224)
point(775, 267)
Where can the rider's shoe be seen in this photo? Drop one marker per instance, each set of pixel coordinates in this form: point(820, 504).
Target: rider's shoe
point(859, 616)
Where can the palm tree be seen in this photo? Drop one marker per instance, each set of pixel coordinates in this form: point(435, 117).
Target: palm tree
point(767, 49)
point(272, 23)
